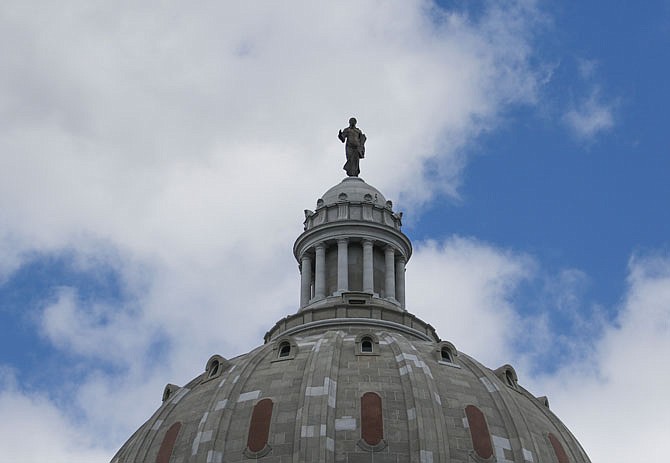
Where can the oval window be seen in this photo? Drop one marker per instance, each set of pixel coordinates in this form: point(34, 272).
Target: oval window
point(372, 421)
point(479, 432)
point(558, 449)
point(165, 450)
point(259, 428)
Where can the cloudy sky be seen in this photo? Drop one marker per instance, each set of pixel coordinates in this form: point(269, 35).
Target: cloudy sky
point(156, 158)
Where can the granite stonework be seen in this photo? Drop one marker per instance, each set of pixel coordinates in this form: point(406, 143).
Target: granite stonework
point(343, 343)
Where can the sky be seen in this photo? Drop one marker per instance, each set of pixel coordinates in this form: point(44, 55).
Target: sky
point(156, 159)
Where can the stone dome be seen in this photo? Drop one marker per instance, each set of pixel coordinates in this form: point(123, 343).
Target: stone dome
point(352, 376)
point(352, 189)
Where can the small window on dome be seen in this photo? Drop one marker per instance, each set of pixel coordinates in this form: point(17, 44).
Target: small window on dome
point(445, 353)
point(284, 350)
point(215, 367)
point(509, 378)
point(366, 345)
point(169, 390)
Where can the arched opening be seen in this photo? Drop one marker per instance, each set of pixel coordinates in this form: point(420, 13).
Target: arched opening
point(445, 354)
point(214, 368)
point(509, 377)
point(366, 345)
point(284, 349)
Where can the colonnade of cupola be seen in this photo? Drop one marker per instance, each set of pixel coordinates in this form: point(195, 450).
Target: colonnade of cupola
point(352, 245)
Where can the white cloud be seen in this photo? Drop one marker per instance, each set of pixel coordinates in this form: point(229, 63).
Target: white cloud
point(615, 372)
point(178, 148)
point(466, 288)
point(590, 117)
point(616, 401)
point(34, 429)
point(586, 67)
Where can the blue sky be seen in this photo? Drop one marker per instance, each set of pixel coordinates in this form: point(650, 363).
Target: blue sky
point(155, 162)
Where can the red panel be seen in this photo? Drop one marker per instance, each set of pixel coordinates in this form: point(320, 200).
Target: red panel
point(558, 449)
point(479, 431)
point(372, 421)
point(165, 451)
point(259, 429)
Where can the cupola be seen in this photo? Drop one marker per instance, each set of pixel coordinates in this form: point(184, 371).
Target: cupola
point(352, 247)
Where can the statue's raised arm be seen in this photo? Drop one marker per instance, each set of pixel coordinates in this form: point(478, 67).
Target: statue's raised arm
point(354, 148)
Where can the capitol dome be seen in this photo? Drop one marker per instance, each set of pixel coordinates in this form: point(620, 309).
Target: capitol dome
point(352, 376)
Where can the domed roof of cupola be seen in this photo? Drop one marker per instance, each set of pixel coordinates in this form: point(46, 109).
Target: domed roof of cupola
point(352, 189)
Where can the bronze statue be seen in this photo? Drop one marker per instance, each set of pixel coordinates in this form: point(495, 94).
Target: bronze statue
point(355, 147)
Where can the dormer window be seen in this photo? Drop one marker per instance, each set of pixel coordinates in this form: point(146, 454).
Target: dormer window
point(507, 375)
point(509, 378)
point(366, 345)
point(216, 365)
point(284, 350)
point(445, 353)
point(214, 368)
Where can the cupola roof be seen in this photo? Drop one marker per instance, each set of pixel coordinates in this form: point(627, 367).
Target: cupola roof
point(352, 189)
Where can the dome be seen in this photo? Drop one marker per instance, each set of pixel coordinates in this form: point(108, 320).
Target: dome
point(352, 189)
point(353, 392)
point(352, 376)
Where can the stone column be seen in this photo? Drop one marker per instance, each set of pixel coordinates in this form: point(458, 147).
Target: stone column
point(305, 279)
point(320, 270)
point(342, 265)
point(400, 280)
point(368, 280)
point(390, 273)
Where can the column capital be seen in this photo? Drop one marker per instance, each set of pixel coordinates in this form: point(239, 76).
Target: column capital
point(320, 245)
point(402, 259)
point(342, 240)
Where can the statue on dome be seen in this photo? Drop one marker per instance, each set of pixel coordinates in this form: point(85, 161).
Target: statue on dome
point(355, 147)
